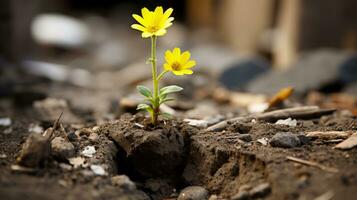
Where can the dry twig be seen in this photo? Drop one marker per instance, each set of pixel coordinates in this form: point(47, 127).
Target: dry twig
point(313, 164)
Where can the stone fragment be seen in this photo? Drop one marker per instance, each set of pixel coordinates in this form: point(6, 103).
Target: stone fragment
point(123, 181)
point(285, 140)
point(193, 193)
point(349, 143)
point(88, 151)
point(62, 148)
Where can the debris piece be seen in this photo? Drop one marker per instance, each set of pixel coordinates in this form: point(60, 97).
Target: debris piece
point(260, 191)
point(297, 113)
point(21, 169)
point(313, 164)
point(49, 109)
point(98, 170)
point(197, 123)
point(257, 107)
point(280, 97)
point(263, 141)
point(288, 122)
point(285, 140)
point(193, 193)
point(62, 148)
point(124, 182)
point(349, 143)
point(138, 125)
point(34, 151)
point(35, 128)
point(5, 121)
point(328, 135)
point(88, 151)
point(326, 196)
point(77, 162)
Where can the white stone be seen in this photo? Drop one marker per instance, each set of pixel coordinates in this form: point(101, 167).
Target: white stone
point(5, 121)
point(288, 122)
point(98, 170)
point(88, 151)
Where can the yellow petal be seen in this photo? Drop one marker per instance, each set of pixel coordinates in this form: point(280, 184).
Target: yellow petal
point(146, 34)
point(139, 19)
point(177, 53)
point(178, 73)
point(187, 71)
point(167, 25)
point(145, 13)
point(185, 57)
point(190, 64)
point(161, 32)
point(138, 27)
point(168, 12)
point(159, 11)
point(169, 57)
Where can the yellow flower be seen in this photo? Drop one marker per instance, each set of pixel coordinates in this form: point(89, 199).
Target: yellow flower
point(179, 64)
point(153, 23)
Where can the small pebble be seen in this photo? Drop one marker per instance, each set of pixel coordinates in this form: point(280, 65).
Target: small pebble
point(72, 137)
point(193, 193)
point(260, 191)
point(285, 140)
point(245, 137)
point(62, 148)
point(287, 122)
point(5, 121)
point(98, 170)
point(263, 141)
point(88, 151)
point(123, 181)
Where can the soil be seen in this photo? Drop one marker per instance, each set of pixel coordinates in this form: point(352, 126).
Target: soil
point(164, 160)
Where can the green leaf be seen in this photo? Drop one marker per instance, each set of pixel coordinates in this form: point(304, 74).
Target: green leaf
point(170, 89)
point(144, 91)
point(166, 100)
point(143, 106)
point(166, 115)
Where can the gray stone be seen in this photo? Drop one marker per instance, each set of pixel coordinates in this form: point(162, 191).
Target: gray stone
point(62, 148)
point(245, 137)
point(285, 140)
point(260, 191)
point(315, 70)
point(193, 193)
point(124, 182)
point(238, 75)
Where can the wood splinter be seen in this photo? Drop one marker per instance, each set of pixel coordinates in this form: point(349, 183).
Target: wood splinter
point(312, 164)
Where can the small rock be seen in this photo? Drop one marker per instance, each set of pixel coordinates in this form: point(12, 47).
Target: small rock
point(124, 182)
point(62, 148)
point(349, 143)
point(260, 191)
point(303, 139)
point(213, 197)
point(288, 122)
point(193, 193)
point(88, 151)
point(98, 170)
point(285, 140)
point(245, 137)
point(3, 155)
point(5, 121)
point(197, 123)
point(35, 151)
point(77, 162)
point(72, 136)
point(263, 141)
point(35, 128)
point(93, 137)
point(242, 195)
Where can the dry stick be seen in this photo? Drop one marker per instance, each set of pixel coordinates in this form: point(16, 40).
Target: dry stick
point(303, 112)
point(49, 132)
point(313, 164)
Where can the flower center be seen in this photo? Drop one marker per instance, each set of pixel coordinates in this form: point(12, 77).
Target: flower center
point(176, 66)
point(152, 29)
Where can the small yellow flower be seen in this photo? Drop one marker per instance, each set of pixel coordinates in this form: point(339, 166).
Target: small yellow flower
point(153, 23)
point(179, 64)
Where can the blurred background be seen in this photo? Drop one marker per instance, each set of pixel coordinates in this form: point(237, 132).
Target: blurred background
point(85, 52)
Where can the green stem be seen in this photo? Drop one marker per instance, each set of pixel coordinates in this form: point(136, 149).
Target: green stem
point(161, 75)
point(155, 81)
